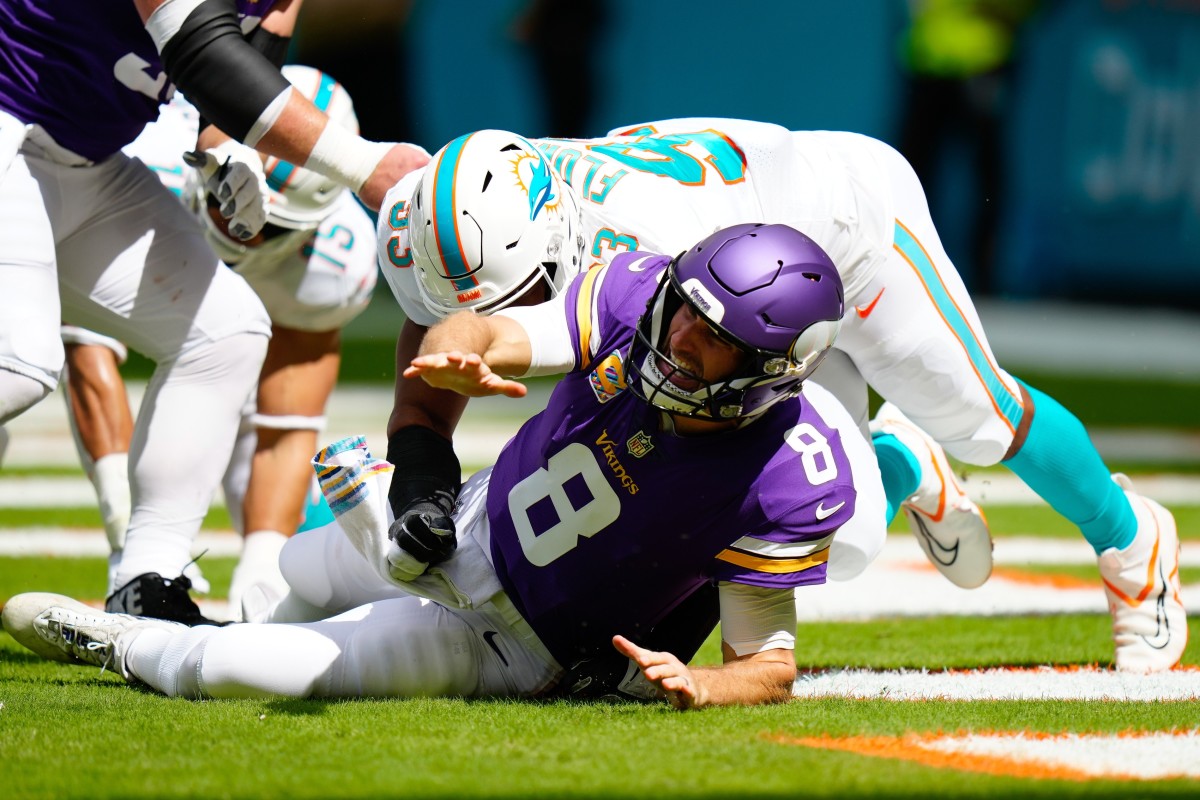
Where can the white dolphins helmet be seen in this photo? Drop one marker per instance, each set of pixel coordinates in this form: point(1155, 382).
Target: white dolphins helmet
point(299, 199)
point(489, 220)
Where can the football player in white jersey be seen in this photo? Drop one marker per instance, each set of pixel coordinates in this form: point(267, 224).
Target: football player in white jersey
point(911, 331)
point(313, 267)
point(86, 230)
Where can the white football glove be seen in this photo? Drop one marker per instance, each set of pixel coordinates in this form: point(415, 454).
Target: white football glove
point(233, 173)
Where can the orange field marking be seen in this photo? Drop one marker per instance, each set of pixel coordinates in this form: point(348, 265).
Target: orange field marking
point(1052, 580)
point(952, 751)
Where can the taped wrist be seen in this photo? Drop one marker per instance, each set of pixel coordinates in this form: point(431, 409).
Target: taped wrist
point(228, 80)
point(426, 470)
point(346, 157)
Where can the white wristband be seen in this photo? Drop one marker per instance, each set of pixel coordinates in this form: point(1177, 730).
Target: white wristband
point(345, 157)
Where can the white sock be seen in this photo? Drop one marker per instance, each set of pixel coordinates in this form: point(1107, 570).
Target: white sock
point(166, 552)
point(181, 443)
point(114, 561)
point(110, 477)
point(259, 564)
point(168, 660)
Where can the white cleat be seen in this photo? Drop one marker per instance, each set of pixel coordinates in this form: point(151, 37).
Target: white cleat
point(62, 629)
point(949, 525)
point(1142, 585)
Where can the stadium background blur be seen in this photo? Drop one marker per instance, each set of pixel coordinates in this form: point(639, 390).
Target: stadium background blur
point(1096, 117)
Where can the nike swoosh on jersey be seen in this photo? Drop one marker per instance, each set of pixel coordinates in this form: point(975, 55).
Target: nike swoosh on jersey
point(826, 513)
point(865, 311)
point(490, 638)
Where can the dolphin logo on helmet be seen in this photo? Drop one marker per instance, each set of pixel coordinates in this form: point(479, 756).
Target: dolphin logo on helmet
point(488, 221)
point(540, 186)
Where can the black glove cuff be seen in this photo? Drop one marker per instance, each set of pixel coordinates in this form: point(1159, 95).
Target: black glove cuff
point(426, 469)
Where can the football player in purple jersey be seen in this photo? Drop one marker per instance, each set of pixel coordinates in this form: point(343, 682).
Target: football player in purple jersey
point(911, 331)
point(89, 234)
point(677, 452)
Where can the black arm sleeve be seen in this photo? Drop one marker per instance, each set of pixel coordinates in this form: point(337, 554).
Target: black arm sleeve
point(271, 45)
point(226, 78)
point(425, 463)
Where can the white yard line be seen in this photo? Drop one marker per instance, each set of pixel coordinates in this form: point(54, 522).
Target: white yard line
point(73, 542)
point(482, 445)
point(1033, 683)
point(901, 582)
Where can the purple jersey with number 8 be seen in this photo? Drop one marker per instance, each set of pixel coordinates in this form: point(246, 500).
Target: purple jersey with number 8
point(601, 522)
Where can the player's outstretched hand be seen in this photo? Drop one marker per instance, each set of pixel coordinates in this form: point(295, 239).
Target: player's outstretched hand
point(668, 673)
point(462, 373)
point(398, 162)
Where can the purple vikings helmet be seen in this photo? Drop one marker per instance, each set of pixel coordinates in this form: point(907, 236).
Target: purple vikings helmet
point(767, 289)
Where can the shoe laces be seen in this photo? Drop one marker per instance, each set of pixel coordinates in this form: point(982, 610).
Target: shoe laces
point(183, 579)
point(84, 646)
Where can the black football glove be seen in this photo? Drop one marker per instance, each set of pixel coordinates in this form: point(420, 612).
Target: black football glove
point(425, 530)
point(424, 489)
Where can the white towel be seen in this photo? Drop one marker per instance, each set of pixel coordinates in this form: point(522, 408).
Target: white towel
point(356, 487)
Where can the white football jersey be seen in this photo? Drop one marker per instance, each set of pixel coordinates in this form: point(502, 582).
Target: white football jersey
point(661, 187)
point(316, 280)
point(309, 280)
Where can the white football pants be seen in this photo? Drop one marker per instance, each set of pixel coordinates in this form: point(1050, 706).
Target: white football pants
point(105, 246)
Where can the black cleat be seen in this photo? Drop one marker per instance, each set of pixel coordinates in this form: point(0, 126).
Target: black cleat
point(152, 595)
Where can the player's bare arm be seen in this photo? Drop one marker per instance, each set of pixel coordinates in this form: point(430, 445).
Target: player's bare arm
point(469, 354)
point(757, 678)
point(417, 402)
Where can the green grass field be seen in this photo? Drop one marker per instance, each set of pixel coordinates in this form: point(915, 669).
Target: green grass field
point(71, 732)
point(75, 732)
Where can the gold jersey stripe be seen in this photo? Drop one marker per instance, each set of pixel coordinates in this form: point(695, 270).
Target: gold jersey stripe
point(768, 549)
point(583, 312)
point(774, 565)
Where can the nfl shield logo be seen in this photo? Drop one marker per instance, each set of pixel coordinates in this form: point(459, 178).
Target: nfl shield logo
point(639, 444)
